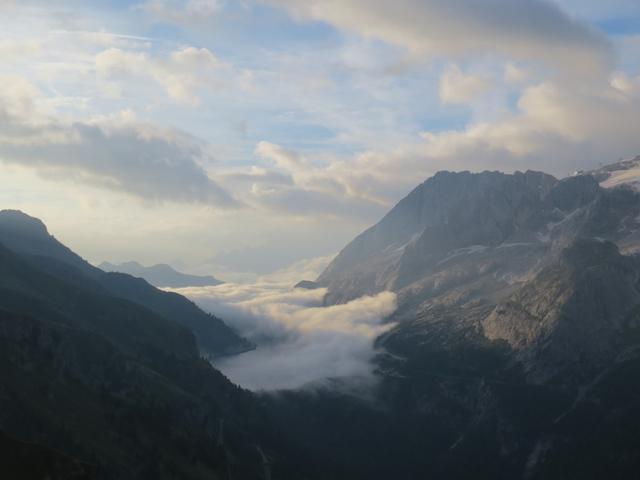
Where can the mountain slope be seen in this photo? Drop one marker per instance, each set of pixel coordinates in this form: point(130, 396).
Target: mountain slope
point(456, 224)
point(161, 275)
point(29, 236)
point(574, 312)
point(449, 211)
point(23, 461)
point(514, 351)
point(112, 384)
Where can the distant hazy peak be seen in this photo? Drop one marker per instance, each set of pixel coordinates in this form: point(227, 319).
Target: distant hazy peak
point(131, 264)
point(307, 285)
point(161, 275)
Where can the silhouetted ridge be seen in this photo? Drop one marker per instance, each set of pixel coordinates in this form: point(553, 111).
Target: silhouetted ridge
point(26, 235)
point(161, 275)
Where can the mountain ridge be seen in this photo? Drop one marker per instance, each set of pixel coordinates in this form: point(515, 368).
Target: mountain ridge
point(161, 275)
point(516, 342)
point(514, 351)
point(119, 390)
point(451, 212)
point(28, 236)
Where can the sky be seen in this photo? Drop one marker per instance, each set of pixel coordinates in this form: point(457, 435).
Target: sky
point(237, 137)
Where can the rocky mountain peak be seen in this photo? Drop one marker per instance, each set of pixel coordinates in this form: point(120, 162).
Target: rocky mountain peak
point(574, 192)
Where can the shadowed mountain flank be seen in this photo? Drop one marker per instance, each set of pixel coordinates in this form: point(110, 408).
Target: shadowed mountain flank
point(29, 237)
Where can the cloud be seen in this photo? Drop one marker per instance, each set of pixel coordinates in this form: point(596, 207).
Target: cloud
point(513, 74)
point(528, 29)
point(181, 74)
point(11, 50)
point(102, 38)
point(114, 152)
point(305, 269)
point(283, 158)
point(300, 342)
point(331, 187)
point(557, 127)
point(458, 87)
point(187, 14)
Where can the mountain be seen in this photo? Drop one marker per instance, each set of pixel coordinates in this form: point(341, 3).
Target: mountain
point(96, 385)
point(161, 275)
point(575, 311)
point(23, 461)
point(29, 237)
point(514, 350)
point(624, 172)
point(448, 219)
point(306, 285)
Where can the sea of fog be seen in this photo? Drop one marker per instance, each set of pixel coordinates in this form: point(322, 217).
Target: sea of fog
point(299, 341)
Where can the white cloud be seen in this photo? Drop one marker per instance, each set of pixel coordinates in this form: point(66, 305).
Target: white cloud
point(118, 152)
point(558, 128)
point(182, 73)
point(514, 74)
point(625, 84)
point(283, 158)
point(528, 29)
point(11, 50)
point(351, 187)
point(458, 87)
point(187, 13)
point(102, 38)
point(300, 342)
point(306, 269)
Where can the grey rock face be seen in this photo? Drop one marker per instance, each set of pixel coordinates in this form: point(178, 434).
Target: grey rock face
point(537, 263)
point(447, 212)
point(453, 217)
point(572, 313)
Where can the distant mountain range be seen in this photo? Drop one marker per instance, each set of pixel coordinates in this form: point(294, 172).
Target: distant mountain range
point(161, 275)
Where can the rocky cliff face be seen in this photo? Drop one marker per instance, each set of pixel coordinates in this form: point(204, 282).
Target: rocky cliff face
point(539, 263)
point(484, 232)
point(516, 345)
point(448, 213)
point(574, 313)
